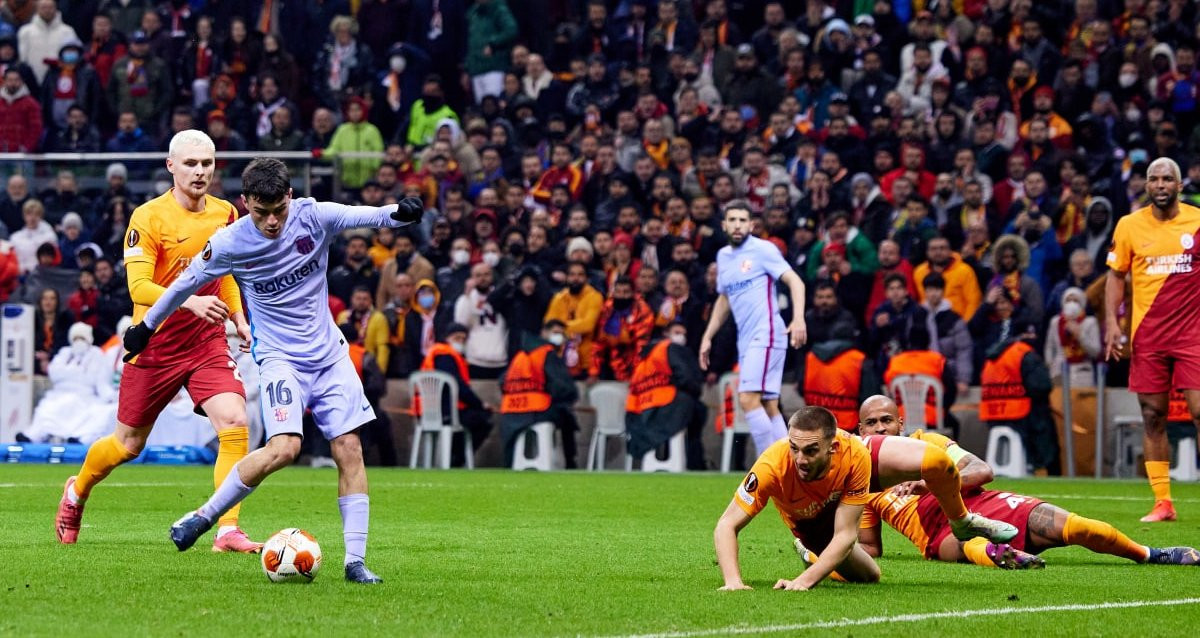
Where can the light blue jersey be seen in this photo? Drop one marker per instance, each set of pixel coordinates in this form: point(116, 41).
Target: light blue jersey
point(747, 275)
point(283, 280)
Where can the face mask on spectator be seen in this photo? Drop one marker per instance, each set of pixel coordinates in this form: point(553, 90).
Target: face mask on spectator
point(1072, 309)
point(80, 347)
point(398, 63)
point(1133, 115)
point(516, 249)
point(491, 259)
point(458, 346)
point(425, 300)
point(461, 257)
point(575, 288)
point(70, 57)
point(678, 339)
point(556, 339)
point(622, 304)
point(1127, 80)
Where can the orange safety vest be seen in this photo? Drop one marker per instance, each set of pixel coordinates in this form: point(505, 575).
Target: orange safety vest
point(1177, 409)
point(925, 362)
point(427, 364)
point(524, 386)
point(650, 386)
point(356, 357)
point(726, 415)
point(835, 386)
point(1004, 396)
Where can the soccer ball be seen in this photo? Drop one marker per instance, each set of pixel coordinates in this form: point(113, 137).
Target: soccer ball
point(291, 555)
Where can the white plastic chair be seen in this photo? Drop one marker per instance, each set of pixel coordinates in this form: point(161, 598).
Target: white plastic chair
point(429, 429)
point(676, 460)
point(543, 456)
point(1005, 452)
point(608, 399)
point(1128, 443)
point(728, 383)
point(913, 390)
point(1185, 464)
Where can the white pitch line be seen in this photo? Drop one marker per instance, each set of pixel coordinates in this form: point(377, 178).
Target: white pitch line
point(878, 620)
point(199, 483)
point(1088, 497)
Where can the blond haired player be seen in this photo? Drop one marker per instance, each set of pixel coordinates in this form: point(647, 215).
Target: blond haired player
point(1157, 244)
point(164, 235)
point(910, 510)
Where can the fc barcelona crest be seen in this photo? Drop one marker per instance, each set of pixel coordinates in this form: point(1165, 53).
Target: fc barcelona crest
point(305, 245)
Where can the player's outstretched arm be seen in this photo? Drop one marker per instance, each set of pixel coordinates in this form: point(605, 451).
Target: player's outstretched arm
point(205, 267)
point(338, 217)
point(798, 330)
point(720, 313)
point(845, 533)
point(725, 539)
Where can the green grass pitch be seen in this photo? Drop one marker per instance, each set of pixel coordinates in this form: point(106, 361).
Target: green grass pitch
point(498, 553)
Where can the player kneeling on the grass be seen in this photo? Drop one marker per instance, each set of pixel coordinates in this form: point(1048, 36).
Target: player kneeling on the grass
point(819, 477)
point(913, 512)
point(279, 254)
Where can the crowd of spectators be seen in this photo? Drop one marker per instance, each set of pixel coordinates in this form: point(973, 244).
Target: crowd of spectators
point(575, 156)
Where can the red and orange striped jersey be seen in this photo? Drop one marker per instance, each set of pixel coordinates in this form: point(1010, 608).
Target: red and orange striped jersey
point(1164, 258)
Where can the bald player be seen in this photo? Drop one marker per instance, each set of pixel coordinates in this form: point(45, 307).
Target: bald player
point(910, 510)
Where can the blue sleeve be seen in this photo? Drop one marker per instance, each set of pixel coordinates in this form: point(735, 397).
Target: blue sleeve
point(213, 262)
point(338, 217)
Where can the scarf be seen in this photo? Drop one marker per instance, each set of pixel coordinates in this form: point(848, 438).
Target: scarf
point(263, 126)
point(1073, 351)
point(204, 60)
point(658, 153)
point(1073, 221)
point(968, 217)
point(534, 86)
point(392, 82)
point(340, 63)
point(65, 88)
point(137, 78)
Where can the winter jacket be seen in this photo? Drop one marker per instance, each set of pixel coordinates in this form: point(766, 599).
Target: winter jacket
point(39, 41)
point(487, 331)
point(962, 288)
point(20, 122)
point(489, 24)
point(356, 137)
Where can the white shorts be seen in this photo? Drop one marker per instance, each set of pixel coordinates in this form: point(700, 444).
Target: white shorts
point(335, 396)
point(761, 370)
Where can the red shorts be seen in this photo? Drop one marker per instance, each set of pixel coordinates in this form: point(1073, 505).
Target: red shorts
point(816, 532)
point(146, 391)
point(1013, 509)
point(1160, 371)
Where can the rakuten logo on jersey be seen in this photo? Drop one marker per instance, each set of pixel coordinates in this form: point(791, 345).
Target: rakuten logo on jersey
point(283, 282)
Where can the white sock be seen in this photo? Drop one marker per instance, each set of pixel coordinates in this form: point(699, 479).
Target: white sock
point(231, 492)
point(780, 426)
point(356, 512)
point(225, 529)
point(761, 429)
point(72, 495)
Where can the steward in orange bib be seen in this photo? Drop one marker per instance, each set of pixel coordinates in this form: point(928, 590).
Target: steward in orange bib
point(664, 397)
point(475, 415)
point(919, 359)
point(537, 387)
point(1016, 393)
point(837, 376)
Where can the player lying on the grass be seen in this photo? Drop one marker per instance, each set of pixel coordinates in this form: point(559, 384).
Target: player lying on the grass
point(819, 478)
point(279, 254)
point(191, 351)
point(913, 512)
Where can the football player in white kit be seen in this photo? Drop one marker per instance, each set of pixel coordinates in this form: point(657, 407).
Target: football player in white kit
point(749, 270)
point(279, 255)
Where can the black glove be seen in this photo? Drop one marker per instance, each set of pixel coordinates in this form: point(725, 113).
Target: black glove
point(137, 337)
point(410, 210)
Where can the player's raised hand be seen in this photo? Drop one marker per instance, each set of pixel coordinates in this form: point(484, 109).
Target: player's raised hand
point(136, 338)
point(209, 308)
point(243, 331)
point(705, 350)
point(798, 332)
point(409, 210)
point(909, 488)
